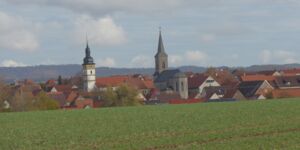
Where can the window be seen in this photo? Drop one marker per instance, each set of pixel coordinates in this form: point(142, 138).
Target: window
point(91, 72)
point(182, 86)
point(164, 65)
point(210, 81)
point(177, 86)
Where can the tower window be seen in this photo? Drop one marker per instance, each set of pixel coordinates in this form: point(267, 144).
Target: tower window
point(182, 86)
point(91, 72)
point(164, 65)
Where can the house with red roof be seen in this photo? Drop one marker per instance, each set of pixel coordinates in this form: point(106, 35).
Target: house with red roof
point(72, 100)
point(83, 103)
point(64, 88)
point(50, 84)
point(269, 73)
point(258, 77)
point(224, 77)
point(291, 72)
point(103, 83)
point(223, 93)
point(197, 83)
point(142, 83)
point(287, 82)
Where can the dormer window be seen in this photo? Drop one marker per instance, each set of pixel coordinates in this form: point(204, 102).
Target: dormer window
point(210, 81)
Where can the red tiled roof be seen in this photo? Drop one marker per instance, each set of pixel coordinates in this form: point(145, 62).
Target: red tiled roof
point(139, 83)
point(83, 103)
point(63, 88)
point(72, 96)
point(51, 82)
point(196, 80)
point(292, 72)
point(267, 72)
point(136, 83)
point(257, 78)
point(230, 92)
point(111, 81)
point(149, 84)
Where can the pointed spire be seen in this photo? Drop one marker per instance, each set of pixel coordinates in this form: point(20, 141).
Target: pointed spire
point(87, 49)
point(88, 59)
point(87, 41)
point(161, 48)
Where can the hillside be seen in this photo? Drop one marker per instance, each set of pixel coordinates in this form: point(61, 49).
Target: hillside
point(45, 72)
point(239, 125)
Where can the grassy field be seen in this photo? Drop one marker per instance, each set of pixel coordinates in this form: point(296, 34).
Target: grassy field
point(233, 125)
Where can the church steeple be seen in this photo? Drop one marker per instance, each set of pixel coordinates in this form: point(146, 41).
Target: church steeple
point(88, 70)
point(88, 58)
point(161, 57)
point(161, 48)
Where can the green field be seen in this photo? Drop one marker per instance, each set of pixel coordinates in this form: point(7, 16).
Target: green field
point(273, 124)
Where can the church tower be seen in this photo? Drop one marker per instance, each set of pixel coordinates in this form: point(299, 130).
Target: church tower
point(161, 57)
point(89, 71)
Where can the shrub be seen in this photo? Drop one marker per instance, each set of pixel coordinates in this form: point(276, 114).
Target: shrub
point(124, 95)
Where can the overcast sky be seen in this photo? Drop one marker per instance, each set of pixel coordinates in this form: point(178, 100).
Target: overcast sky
point(124, 33)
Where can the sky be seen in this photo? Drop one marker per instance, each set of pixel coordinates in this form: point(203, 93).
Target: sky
point(124, 33)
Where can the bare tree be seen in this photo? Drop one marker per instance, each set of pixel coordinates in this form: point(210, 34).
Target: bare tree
point(5, 95)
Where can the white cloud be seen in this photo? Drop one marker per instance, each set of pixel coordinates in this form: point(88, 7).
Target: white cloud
point(235, 56)
point(285, 56)
point(175, 60)
point(142, 61)
point(17, 34)
point(12, 63)
point(278, 56)
point(265, 56)
point(196, 57)
point(100, 32)
point(106, 62)
point(208, 38)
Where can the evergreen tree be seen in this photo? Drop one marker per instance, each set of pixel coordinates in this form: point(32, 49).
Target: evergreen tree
point(59, 80)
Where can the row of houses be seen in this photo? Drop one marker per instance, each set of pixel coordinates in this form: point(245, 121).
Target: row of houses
point(221, 85)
